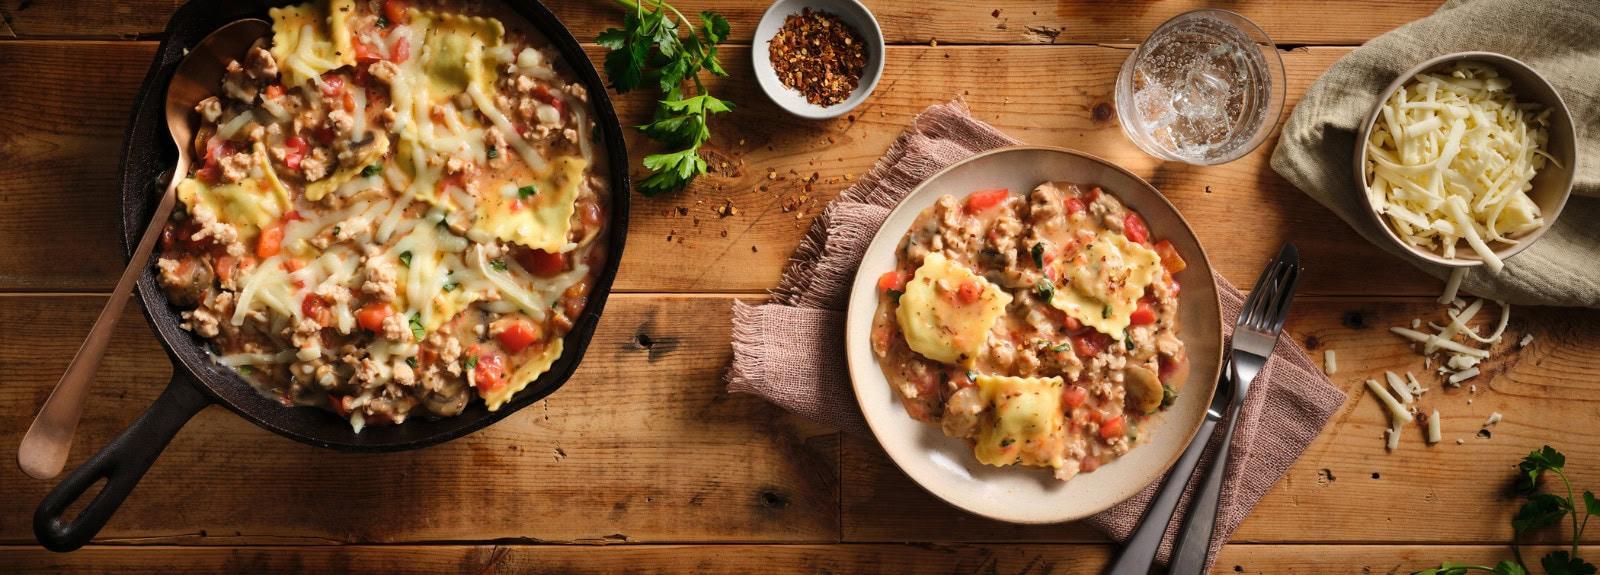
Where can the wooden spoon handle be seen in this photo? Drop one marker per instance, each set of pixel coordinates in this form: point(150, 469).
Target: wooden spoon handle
point(43, 451)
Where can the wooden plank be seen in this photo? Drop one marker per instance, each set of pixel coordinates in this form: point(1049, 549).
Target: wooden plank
point(877, 558)
point(58, 169)
point(643, 444)
point(1345, 489)
point(902, 21)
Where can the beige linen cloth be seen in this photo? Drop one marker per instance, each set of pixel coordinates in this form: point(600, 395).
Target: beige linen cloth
point(791, 350)
point(1559, 39)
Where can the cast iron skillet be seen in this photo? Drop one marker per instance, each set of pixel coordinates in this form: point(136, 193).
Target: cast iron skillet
point(197, 381)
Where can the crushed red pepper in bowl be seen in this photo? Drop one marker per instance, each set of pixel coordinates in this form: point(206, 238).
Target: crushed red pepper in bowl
point(818, 55)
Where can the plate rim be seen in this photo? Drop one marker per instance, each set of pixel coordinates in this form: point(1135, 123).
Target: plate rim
point(1215, 367)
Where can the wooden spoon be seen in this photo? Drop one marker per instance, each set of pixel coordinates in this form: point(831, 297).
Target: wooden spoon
point(43, 451)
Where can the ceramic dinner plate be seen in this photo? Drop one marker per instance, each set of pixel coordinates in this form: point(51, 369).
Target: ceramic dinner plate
point(945, 466)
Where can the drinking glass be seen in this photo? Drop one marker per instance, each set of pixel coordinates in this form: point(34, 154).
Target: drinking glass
point(1205, 88)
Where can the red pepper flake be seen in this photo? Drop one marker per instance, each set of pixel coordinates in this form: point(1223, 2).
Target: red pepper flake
point(818, 55)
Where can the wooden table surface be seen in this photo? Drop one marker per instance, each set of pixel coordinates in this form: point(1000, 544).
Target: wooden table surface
point(644, 461)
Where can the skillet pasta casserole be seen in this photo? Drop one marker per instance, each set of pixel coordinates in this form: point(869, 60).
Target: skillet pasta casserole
point(399, 209)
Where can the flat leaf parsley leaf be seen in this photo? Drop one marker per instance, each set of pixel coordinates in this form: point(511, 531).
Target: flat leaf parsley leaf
point(654, 46)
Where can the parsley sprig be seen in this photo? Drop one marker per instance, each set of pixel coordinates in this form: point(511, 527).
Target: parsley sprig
point(1541, 510)
point(650, 48)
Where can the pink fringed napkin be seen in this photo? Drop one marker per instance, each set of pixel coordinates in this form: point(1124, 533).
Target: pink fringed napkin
point(791, 351)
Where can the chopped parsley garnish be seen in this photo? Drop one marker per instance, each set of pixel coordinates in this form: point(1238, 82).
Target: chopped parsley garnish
point(1046, 290)
point(493, 152)
point(1038, 255)
point(972, 375)
point(1007, 442)
point(383, 22)
point(370, 171)
point(1127, 339)
point(416, 327)
point(336, 231)
point(405, 258)
point(1063, 346)
point(451, 286)
point(1169, 395)
point(1105, 312)
point(498, 265)
point(527, 191)
point(245, 369)
point(470, 362)
point(411, 361)
point(895, 294)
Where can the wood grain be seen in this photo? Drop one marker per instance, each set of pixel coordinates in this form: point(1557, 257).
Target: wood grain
point(655, 450)
point(902, 21)
point(642, 445)
point(1345, 488)
point(58, 168)
point(710, 559)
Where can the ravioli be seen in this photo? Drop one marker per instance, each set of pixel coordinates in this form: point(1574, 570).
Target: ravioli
point(542, 220)
point(452, 57)
point(524, 375)
point(1105, 281)
point(1024, 424)
point(253, 202)
point(936, 323)
point(370, 154)
point(311, 39)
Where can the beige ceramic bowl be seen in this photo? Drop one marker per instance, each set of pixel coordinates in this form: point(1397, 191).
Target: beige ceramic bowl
point(945, 466)
point(1551, 185)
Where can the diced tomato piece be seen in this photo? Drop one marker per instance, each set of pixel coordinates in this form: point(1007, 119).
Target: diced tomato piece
point(543, 94)
point(316, 308)
point(490, 372)
point(292, 265)
point(365, 55)
point(293, 216)
point(270, 242)
point(1090, 344)
point(349, 102)
point(1145, 314)
point(895, 280)
point(275, 91)
point(401, 51)
point(541, 263)
point(1092, 195)
point(324, 135)
point(1075, 206)
point(517, 337)
point(985, 199)
point(372, 315)
point(1111, 428)
point(295, 150)
point(395, 11)
point(1169, 257)
point(1088, 464)
point(339, 405)
point(1133, 227)
point(969, 292)
point(1074, 396)
point(332, 84)
point(1072, 324)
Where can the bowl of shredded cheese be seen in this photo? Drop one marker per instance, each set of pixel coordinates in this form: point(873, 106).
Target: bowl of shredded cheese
point(1467, 159)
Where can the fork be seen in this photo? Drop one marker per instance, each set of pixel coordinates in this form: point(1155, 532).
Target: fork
point(1260, 321)
point(1254, 335)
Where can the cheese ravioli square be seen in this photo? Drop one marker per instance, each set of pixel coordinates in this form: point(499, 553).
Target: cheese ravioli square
point(1025, 424)
point(1104, 282)
point(935, 320)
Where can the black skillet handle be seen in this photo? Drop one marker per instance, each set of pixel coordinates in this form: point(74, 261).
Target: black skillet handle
point(121, 463)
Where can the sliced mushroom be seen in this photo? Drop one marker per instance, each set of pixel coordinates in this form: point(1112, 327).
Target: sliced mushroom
point(1143, 387)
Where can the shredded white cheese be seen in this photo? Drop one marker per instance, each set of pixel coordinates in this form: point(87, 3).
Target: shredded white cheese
point(1397, 412)
point(1493, 419)
point(1433, 427)
point(1463, 375)
point(1330, 362)
point(1526, 339)
point(1401, 390)
point(1451, 286)
point(1451, 159)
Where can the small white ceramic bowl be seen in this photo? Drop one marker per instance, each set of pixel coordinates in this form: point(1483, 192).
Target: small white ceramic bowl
point(852, 13)
point(1551, 186)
